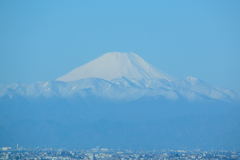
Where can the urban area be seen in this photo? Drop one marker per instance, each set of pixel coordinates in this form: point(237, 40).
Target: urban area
point(17, 153)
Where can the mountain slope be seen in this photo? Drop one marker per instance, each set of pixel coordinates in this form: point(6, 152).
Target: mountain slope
point(113, 66)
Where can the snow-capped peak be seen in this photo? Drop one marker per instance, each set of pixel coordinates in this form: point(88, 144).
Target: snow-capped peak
point(115, 65)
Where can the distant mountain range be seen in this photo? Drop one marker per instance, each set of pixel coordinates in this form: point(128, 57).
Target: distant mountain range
point(119, 101)
point(120, 76)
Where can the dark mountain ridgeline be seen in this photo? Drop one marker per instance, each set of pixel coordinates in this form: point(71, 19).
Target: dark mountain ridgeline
point(147, 123)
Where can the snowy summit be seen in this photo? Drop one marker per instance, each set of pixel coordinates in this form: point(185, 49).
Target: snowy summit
point(115, 65)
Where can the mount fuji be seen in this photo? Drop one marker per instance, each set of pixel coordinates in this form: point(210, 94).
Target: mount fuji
point(115, 65)
point(120, 76)
point(120, 101)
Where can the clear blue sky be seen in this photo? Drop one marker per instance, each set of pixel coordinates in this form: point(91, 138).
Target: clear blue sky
point(43, 39)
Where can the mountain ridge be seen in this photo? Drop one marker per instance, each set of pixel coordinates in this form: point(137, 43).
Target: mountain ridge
point(120, 76)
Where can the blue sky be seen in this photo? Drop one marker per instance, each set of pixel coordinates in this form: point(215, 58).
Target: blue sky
point(41, 40)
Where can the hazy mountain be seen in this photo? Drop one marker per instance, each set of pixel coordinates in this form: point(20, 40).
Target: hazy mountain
point(115, 65)
point(120, 76)
point(118, 100)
